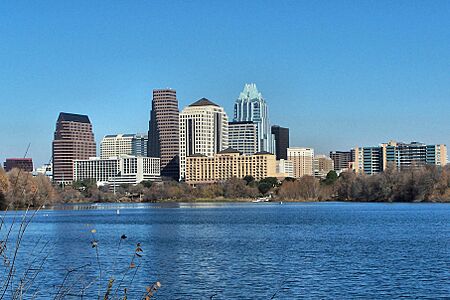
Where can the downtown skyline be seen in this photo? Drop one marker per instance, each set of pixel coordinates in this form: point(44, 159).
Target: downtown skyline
point(329, 78)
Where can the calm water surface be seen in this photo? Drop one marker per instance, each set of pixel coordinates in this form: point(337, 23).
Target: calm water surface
point(251, 251)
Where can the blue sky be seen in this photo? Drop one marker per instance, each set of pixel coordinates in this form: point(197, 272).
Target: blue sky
point(337, 73)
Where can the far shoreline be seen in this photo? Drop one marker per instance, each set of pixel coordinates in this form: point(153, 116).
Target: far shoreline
point(57, 206)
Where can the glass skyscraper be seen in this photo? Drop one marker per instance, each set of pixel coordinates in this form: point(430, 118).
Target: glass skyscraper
point(251, 106)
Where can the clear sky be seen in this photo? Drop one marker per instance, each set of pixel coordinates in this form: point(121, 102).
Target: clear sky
point(337, 73)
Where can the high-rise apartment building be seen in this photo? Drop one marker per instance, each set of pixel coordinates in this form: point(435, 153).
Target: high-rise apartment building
point(302, 159)
point(227, 164)
point(25, 164)
point(203, 130)
point(243, 136)
point(123, 144)
point(372, 160)
point(369, 160)
point(251, 106)
point(322, 165)
point(73, 139)
point(281, 137)
point(342, 159)
point(163, 133)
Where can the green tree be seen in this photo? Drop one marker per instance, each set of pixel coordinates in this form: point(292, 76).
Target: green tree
point(271, 181)
point(331, 178)
point(147, 184)
point(249, 179)
point(264, 187)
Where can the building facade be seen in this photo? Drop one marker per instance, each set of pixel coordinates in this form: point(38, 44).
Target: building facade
point(24, 164)
point(227, 164)
point(73, 139)
point(203, 130)
point(243, 136)
point(123, 144)
point(46, 170)
point(251, 106)
point(373, 160)
point(302, 159)
point(281, 137)
point(342, 159)
point(139, 145)
point(115, 171)
point(322, 166)
point(285, 168)
point(163, 133)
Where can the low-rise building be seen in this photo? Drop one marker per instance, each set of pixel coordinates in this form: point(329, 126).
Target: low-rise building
point(25, 164)
point(322, 165)
point(45, 169)
point(285, 168)
point(227, 164)
point(117, 170)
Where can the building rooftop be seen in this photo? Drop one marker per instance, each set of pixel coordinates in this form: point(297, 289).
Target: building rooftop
point(240, 122)
point(197, 155)
point(229, 150)
point(22, 159)
point(73, 118)
point(263, 153)
point(203, 102)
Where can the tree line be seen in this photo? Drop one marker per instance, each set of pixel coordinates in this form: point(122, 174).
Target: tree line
point(19, 189)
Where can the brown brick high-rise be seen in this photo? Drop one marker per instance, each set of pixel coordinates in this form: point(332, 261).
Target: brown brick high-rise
point(163, 133)
point(73, 139)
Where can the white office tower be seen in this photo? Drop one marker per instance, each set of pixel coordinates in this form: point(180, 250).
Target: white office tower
point(302, 159)
point(114, 171)
point(251, 106)
point(123, 144)
point(203, 130)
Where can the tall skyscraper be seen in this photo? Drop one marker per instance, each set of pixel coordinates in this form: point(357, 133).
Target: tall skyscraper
point(303, 161)
point(73, 139)
point(163, 133)
point(281, 136)
point(114, 145)
point(251, 106)
point(243, 136)
point(203, 131)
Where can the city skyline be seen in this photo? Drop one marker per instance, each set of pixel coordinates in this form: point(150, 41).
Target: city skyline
point(334, 64)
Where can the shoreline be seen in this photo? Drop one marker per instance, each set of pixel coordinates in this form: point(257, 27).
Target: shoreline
point(56, 206)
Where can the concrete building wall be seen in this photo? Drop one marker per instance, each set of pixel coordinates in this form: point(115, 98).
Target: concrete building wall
point(220, 167)
point(302, 159)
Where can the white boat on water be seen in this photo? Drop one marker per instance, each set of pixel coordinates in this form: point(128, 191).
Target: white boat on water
point(262, 199)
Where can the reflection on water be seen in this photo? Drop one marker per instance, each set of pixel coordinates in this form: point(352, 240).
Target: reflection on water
point(249, 250)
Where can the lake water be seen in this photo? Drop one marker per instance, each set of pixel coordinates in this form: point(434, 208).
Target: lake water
point(247, 250)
